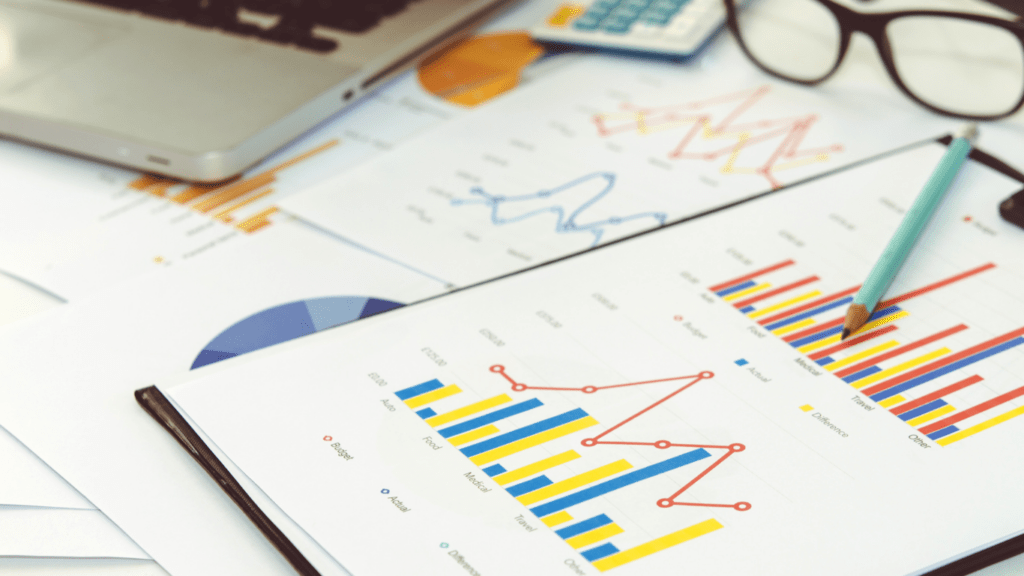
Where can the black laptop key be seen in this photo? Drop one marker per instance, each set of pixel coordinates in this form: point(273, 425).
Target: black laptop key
point(295, 18)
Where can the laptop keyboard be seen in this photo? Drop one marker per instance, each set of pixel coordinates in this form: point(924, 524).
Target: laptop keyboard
point(294, 23)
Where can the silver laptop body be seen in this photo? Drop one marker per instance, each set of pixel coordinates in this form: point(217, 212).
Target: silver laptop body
point(190, 102)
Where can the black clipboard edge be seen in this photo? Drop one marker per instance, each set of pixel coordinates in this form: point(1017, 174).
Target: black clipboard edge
point(156, 405)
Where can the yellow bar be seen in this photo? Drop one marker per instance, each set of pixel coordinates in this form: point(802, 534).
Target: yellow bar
point(807, 407)
point(882, 320)
point(595, 535)
point(229, 193)
point(536, 467)
point(435, 421)
point(892, 401)
point(781, 305)
point(433, 396)
point(223, 214)
point(657, 545)
point(793, 327)
point(556, 519)
point(860, 356)
point(257, 221)
point(473, 435)
point(979, 427)
point(747, 292)
point(535, 440)
point(931, 415)
point(833, 339)
point(899, 368)
point(575, 482)
point(301, 157)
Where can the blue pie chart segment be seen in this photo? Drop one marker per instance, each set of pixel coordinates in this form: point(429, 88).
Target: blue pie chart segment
point(287, 322)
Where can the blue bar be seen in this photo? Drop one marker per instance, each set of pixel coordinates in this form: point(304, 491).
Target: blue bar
point(862, 374)
point(747, 310)
point(529, 486)
point(825, 360)
point(584, 526)
point(946, 369)
point(619, 482)
point(816, 336)
point(606, 549)
point(426, 413)
point(524, 432)
point(741, 362)
point(736, 288)
point(493, 471)
point(489, 417)
point(418, 389)
point(943, 432)
point(883, 312)
point(921, 410)
point(809, 313)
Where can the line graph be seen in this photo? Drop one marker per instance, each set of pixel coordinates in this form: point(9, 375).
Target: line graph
point(719, 118)
point(598, 439)
point(568, 217)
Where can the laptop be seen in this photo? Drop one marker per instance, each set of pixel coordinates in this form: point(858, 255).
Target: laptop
point(202, 89)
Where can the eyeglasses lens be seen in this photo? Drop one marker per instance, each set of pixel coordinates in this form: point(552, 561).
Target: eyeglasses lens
point(960, 66)
point(798, 39)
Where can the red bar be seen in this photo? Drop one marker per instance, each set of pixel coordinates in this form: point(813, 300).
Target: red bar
point(900, 350)
point(852, 342)
point(813, 330)
point(936, 395)
point(809, 305)
point(774, 291)
point(972, 411)
point(935, 286)
point(942, 362)
point(771, 268)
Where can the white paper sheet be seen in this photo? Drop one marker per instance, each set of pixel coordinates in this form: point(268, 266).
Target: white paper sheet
point(599, 150)
point(48, 532)
point(102, 442)
point(790, 468)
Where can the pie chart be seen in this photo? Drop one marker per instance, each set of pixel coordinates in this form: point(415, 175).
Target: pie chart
point(287, 322)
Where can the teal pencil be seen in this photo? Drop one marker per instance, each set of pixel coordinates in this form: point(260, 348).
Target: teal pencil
point(910, 228)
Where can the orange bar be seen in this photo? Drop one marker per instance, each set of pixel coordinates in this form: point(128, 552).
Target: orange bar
point(195, 191)
point(144, 181)
point(302, 157)
point(160, 188)
point(252, 229)
point(257, 221)
point(223, 214)
point(234, 191)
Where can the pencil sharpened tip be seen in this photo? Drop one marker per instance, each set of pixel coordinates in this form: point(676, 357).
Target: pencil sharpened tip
point(846, 333)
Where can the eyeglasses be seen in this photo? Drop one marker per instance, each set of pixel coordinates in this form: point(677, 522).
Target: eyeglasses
point(964, 65)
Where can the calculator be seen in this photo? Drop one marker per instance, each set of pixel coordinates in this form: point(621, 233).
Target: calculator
point(673, 28)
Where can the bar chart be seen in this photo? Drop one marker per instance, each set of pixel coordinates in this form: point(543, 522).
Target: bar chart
point(476, 429)
point(225, 201)
point(917, 381)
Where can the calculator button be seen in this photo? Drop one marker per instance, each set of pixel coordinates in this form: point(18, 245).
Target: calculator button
point(587, 22)
point(617, 28)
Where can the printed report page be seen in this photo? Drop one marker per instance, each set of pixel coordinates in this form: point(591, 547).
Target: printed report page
point(677, 401)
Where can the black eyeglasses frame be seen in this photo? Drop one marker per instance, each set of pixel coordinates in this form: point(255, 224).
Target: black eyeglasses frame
point(874, 26)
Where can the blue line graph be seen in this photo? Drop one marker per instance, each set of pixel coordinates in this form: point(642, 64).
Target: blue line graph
point(568, 217)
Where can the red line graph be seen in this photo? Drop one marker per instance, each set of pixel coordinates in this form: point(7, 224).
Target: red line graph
point(598, 440)
point(698, 120)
